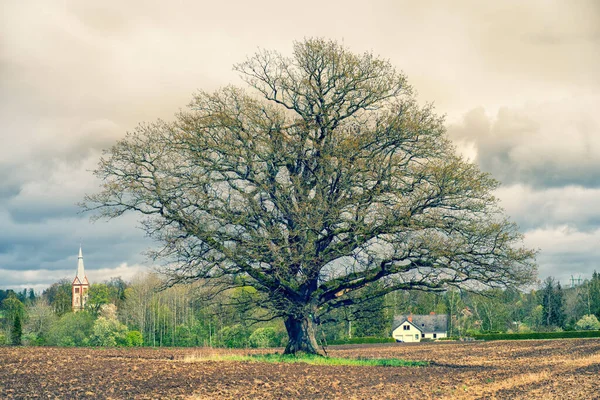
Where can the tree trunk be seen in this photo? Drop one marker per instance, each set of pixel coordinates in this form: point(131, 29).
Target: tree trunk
point(301, 334)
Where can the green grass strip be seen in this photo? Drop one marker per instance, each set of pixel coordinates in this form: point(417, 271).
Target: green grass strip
point(320, 360)
point(316, 360)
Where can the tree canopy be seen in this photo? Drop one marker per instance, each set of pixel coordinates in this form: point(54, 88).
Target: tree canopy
point(323, 178)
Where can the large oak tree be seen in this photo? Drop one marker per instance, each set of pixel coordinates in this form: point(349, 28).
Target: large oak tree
point(324, 178)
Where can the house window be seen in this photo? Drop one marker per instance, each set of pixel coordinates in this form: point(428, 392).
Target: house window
point(416, 337)
point(76, 290)
point(406, 327)
point(422, 335)
point(435, 335)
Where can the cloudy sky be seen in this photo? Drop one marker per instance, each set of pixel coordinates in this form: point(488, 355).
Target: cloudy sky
point(518, 82)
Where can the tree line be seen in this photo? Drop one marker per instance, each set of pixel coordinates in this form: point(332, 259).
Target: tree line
point(144, 312)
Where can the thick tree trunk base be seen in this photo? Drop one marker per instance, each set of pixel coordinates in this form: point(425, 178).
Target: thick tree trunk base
point(301, 334)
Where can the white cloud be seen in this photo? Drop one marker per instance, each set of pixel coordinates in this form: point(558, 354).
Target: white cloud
point(39, 279)
point(125, 271)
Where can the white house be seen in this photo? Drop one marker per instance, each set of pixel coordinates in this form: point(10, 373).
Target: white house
point(413, 328)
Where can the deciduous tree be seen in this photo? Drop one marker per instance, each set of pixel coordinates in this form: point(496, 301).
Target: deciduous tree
point(98, 295)
point(327, 177)
point(59, 296)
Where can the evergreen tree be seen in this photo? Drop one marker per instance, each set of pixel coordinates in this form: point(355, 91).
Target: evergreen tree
point(559, 306)
point(31, 295)
point(17, 331)
point(594, 295)
point(552, 302)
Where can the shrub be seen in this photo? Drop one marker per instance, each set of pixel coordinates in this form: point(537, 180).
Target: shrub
point(266, 337)
point(32, 339)
point(134, 339)
point(109, 333)
point(588, 322)
point(235, 336)
point(72, 329)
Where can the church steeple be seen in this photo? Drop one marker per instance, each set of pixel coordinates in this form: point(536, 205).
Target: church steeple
point(80, 271)
point(80, 285)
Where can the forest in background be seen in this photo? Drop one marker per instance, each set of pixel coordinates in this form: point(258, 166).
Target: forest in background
point(144, 313)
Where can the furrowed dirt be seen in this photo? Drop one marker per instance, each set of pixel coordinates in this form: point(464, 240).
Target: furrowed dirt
point(552, 369)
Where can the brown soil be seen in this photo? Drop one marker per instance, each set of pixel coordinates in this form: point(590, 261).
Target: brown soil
point(553, 369)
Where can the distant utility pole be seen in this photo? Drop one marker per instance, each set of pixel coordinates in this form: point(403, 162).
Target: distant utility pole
point(573, 280)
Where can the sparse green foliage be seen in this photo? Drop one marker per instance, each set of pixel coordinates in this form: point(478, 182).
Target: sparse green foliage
point(40, 321)
point(490, 311)
point(116, 291)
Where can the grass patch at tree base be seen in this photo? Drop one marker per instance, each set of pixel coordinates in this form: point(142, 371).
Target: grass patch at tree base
point(312, 359)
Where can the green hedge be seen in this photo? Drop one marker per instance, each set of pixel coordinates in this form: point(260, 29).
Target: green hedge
point(539, 335)
point(362, 340)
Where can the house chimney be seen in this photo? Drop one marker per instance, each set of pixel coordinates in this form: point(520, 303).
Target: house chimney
point(409, 318)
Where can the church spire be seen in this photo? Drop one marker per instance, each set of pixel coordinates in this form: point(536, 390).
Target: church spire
point(80, 271)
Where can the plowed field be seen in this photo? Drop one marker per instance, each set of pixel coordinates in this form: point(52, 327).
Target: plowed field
point(553, 369)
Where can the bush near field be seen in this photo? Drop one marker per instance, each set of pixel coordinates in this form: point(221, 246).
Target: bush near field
point(538, 335)
point(362, 340)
